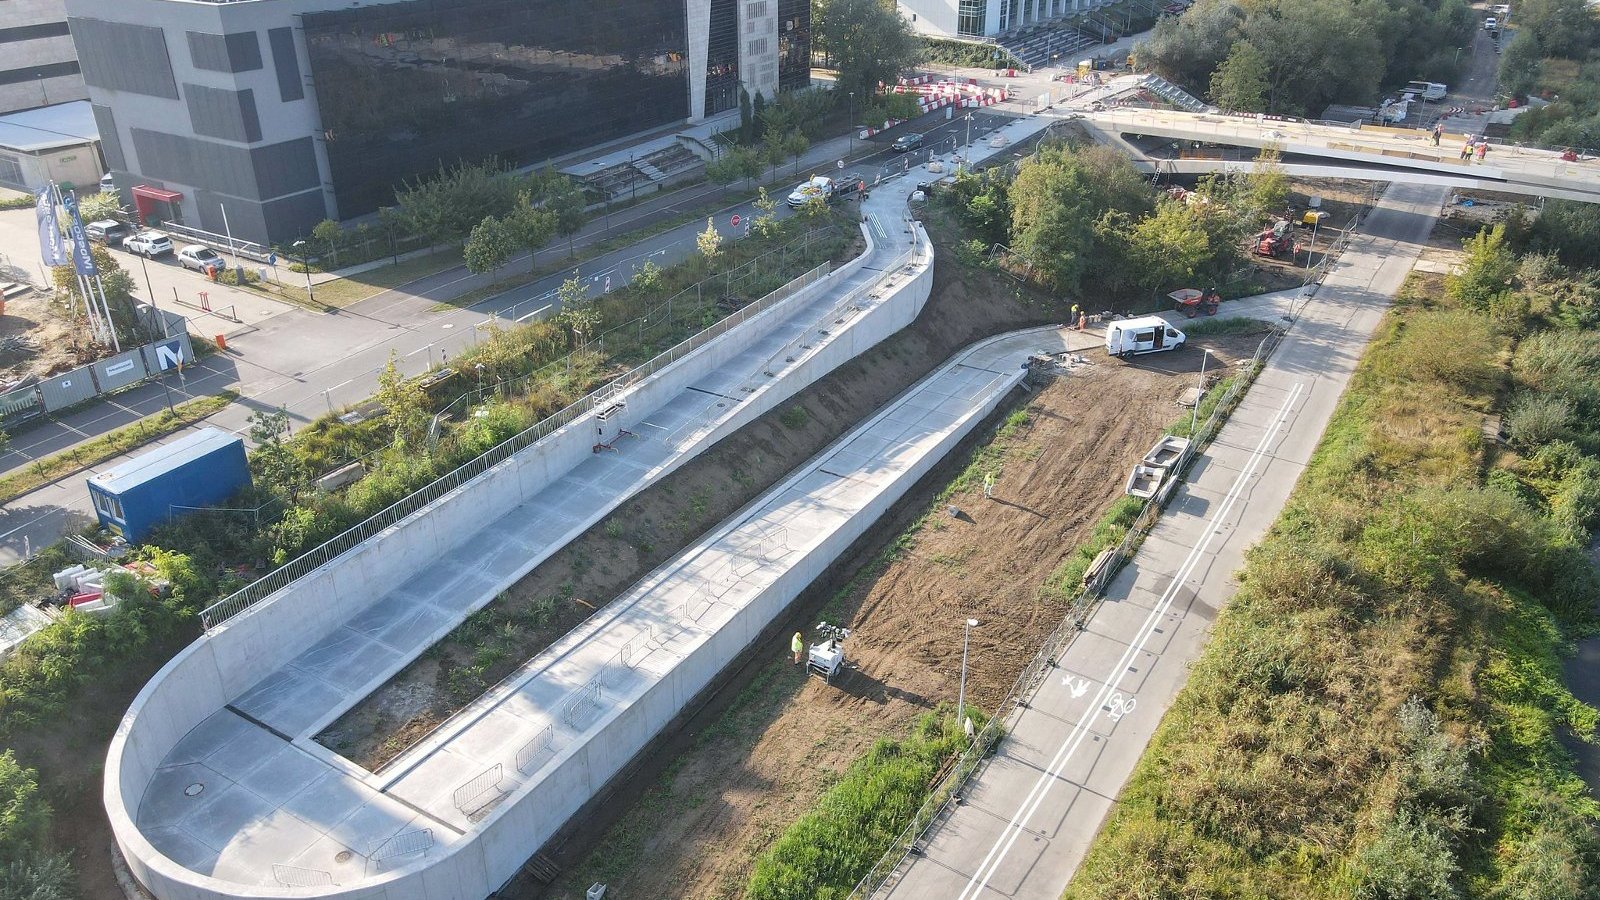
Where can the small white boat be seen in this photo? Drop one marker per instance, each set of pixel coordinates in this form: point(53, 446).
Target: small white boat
point(1166, 452)
point(1144, 481)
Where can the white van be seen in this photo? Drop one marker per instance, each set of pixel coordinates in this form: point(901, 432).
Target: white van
point(1427, 90)
point(1145, 334)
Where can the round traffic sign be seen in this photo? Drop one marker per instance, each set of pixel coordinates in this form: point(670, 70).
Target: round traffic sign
point(272, 259)
point(736, 220)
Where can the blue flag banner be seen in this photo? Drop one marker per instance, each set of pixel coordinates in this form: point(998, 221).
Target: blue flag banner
point(82, 260)
point(51, 249)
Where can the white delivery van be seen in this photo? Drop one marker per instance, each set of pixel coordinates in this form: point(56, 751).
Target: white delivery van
point(1428, 90)
point(1145, 334)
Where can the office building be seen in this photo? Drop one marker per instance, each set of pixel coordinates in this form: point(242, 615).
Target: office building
point(281, 113)
point(38, 66)
point(986, 18)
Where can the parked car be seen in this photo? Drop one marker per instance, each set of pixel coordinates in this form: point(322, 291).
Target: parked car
point(1428, 90)
point(200, 258)
point(1491, 23)
point(106, 231)
point(148, 244)
point(107, 183)
point(906, 142)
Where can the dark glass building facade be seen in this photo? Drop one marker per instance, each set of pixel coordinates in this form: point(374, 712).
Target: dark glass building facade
point(794, 45)
point(406, 87)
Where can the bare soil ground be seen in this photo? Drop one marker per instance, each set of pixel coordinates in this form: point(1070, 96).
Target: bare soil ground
point(759, 759)
point(692, 818)
point(52, 339)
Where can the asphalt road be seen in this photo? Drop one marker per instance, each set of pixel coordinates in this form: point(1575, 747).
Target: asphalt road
point(309, 363)
point(1030, 815)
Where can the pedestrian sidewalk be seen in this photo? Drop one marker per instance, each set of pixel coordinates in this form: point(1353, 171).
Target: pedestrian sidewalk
point(1028, 817)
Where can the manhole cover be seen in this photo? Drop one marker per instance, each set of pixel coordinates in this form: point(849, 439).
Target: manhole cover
point(342, 856)
point(193, 790)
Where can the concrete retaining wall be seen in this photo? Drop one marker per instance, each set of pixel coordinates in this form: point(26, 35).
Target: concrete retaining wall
point(208, 674)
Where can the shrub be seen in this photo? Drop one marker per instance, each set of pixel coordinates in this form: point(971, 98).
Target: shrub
point(826, 852)
point(1536, 419)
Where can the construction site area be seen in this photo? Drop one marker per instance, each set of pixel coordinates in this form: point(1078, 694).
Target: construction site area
point(573, 666)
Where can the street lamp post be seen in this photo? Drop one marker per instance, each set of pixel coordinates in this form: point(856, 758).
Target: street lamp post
point(967, 149)
point(961, 698)
point(1194, 415)
point(1457, 57)
point(305, 263)
point(852, 122)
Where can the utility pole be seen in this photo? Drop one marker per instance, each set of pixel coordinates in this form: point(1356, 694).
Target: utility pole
point(961, 698)
point(852, 122)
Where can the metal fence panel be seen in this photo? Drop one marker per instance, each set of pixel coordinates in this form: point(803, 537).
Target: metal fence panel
point(20, 403)
point(119, 371)
point(67, 389)
point(165, 356)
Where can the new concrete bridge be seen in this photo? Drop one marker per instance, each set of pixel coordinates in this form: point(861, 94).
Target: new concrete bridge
point(1376, 153)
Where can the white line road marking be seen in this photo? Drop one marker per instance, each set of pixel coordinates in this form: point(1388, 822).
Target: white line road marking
point(1108, 691)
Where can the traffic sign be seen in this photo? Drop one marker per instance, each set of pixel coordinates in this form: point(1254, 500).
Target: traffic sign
point(736, 220)
point(272, 259)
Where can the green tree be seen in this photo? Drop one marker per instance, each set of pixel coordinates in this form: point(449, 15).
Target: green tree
point(766, 222)
point(567, 203)
point(1240, 83)
point(24, 815)
point(405, 405)
point(867, 41)
point(578, 313)
point(273, 462)
point(449, 205)
point(327, 233)
point(747, 119)
point(1317, 52)
point(1563, 27)
point(1522, 64)
point(1487, 272)
point(531, 225)
point(647, 278)
point(1169, 247)
point(37, 876)
point(490, 246)
point(98, 206)
point(709, 242)
point(1188, 48)
point(1056, 199)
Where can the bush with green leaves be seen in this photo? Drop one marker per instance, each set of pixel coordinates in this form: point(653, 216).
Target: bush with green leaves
point(826, 852)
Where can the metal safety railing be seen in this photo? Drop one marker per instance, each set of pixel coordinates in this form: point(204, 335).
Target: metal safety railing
point(296, 876)
point(278, 579)
point(530, 751)
point(475, 792)
point(403, 844)
point(974, 757)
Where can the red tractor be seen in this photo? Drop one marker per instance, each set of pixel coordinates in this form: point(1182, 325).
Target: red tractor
point(1275, 241)
point(1192, 302)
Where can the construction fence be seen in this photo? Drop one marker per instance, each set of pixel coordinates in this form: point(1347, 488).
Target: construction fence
point(103, 376)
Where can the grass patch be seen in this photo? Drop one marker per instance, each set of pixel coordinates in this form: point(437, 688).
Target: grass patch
point(826, 852)
point(342, 292)
point(1376, 714)
point(1232, 325)
point(75, 459)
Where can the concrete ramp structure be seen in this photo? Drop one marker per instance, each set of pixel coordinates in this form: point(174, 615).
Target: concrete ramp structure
point(214, 785)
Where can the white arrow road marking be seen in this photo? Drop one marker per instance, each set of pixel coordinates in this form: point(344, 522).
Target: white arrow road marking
point(1030, 804)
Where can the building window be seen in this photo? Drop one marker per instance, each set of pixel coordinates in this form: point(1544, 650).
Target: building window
point(757, 10)
point(970, 15)
point(722, 58)
point(794, 45)
point(756, 47)
point(11, 172)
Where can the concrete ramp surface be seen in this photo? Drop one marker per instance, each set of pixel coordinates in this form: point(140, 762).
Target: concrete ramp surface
point(214, 785)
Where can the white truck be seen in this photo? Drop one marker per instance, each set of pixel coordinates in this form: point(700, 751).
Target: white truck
point(1144, 334)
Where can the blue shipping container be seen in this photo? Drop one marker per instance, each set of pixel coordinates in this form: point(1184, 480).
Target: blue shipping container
point(201, 468)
